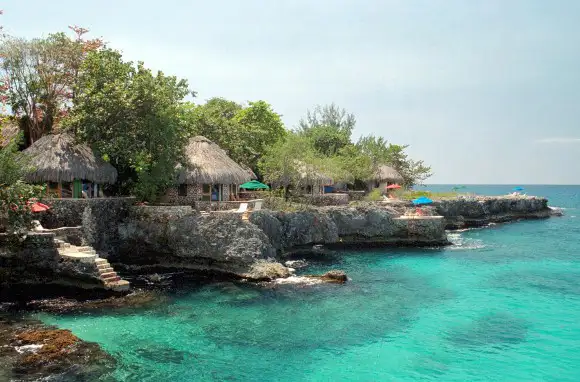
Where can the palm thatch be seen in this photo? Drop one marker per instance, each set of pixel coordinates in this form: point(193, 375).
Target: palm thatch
point(209, 164)
point(58, 158)
point(8, 132)
point(388, 174)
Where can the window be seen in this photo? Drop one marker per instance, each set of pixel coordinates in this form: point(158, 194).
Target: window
point(182, 190)
point(206, 188)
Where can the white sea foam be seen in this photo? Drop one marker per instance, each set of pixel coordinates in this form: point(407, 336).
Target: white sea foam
point(461, 243)
point(27, 348)
point(298, 280)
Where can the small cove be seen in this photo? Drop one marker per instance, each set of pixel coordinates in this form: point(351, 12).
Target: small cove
point(502, 303)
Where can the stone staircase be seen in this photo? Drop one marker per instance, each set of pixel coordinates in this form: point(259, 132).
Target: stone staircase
point(85, 254)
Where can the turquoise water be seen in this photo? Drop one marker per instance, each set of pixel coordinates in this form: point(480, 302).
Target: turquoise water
point(501, 304)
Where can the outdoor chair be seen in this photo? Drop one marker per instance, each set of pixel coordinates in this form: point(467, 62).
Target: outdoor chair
point(257, 205)
point(243, 208)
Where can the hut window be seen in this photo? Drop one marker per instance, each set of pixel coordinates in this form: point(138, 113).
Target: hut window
point(182, 190)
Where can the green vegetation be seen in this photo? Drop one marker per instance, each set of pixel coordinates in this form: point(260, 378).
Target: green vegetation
point(130, 116)
point(410, 195)
point(15, 194)
point(374, 196)
point(140, 121)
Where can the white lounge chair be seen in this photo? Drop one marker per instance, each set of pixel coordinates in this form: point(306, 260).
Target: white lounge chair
point(243, 208)
point(257, 205)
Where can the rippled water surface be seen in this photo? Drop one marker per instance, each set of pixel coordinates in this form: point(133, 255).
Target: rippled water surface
point(502, 304)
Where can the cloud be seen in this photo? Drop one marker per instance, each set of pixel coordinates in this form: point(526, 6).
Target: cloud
point(558, 140)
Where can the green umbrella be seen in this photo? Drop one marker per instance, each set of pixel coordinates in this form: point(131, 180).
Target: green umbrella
point(254, 185)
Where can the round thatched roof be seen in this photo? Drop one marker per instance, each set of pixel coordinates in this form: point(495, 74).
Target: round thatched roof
point(58, 158)
point(209, 164)
point(388, 174)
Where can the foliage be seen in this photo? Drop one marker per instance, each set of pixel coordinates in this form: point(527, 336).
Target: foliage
point(245, 132)
point(413, 172)
point(132, 117)
point(328, 127)
point(413, 194)
point(39, 77)
point(374, 196)
point(289, 161)
point(15, 195)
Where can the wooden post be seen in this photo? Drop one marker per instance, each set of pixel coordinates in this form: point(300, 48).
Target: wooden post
point(59, 190)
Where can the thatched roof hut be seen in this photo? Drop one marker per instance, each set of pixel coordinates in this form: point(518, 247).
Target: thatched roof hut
point(210, 164)
point(58, 158)
point(388, 174)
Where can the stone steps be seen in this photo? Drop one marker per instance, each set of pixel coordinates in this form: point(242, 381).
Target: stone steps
point(110, 278)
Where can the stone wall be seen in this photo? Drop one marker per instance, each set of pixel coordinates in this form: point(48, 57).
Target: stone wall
point(99, 218)
point(193, 197)
point(320, 200)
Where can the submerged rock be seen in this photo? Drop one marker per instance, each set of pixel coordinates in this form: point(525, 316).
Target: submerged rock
point(31, 351)
point(333, 276)
point(266, 271)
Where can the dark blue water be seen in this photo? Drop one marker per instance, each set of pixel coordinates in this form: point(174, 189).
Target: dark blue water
point(502, 304)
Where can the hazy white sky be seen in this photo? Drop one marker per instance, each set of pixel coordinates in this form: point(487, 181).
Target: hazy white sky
point(485, 91)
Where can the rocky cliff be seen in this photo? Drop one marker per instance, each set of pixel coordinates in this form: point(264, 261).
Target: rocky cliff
point(371, 225)
point(477, 211)
point(224, 243)
point(179, 238)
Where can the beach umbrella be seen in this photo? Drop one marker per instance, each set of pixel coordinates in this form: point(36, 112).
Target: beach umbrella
point(422, 200)
point(254, 185)
point(393, 187)
point(518, 188)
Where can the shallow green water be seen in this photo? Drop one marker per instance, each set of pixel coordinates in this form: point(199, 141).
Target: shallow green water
point(502, 304)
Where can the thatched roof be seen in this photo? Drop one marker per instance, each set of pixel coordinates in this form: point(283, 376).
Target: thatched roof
point(58, 158)
point(209, 164)
point(388, 174)
point(8, 131)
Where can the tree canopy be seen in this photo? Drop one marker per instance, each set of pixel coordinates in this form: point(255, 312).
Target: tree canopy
point(244, 131)
point(132, 118)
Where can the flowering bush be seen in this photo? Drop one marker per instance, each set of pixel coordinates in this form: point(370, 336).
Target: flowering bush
point(15, 206)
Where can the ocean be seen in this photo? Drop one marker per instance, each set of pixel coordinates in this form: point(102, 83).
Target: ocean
point(501, 304)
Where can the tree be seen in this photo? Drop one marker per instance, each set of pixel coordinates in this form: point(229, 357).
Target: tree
point(294, 161)
point(413, 172)
point(245, 132)
point(376, 149)
point(132, 117)
point(39, 76)
point(328, 127)
point(15, 195)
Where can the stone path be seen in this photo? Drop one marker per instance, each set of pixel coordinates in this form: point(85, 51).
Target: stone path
point(88, 255)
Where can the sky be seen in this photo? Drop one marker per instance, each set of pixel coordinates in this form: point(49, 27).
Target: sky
point(484, 91)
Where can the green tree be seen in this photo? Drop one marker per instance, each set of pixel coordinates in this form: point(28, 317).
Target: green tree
point(132, 117)
point(15, 195)
point(328, 127)
point(413, 172)
point(39, 77)
point(245, 132)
